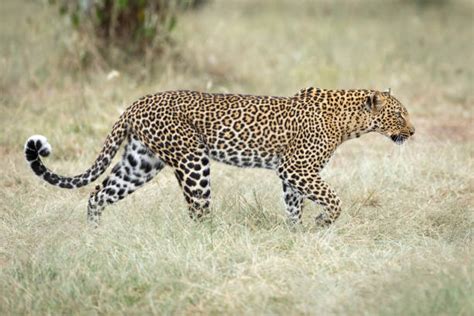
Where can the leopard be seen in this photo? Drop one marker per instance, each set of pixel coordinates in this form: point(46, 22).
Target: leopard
point(294, 136)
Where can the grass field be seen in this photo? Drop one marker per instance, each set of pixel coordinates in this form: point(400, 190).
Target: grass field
point(402, 246)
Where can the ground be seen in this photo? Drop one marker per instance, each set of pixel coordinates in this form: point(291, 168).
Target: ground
point(402, 246)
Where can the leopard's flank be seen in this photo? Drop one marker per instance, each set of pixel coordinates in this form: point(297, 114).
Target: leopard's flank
point(295, 136)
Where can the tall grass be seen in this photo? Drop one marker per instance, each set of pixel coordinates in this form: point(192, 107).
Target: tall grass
point(403, 245)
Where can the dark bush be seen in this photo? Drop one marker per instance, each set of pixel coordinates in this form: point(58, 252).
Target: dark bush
point(132, 26)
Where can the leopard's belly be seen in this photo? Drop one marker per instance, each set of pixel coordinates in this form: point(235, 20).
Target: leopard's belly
point(247, 158)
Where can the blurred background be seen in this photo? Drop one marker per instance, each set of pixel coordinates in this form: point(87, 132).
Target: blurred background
point(403, 244)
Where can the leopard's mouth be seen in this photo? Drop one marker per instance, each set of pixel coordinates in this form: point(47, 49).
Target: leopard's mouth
point(399, 138)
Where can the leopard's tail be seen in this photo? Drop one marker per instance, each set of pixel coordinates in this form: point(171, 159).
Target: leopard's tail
point(37, 146)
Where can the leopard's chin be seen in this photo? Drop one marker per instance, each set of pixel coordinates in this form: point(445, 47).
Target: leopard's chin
point(398, 139)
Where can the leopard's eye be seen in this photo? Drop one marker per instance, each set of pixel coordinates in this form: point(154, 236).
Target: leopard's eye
point(400, 117)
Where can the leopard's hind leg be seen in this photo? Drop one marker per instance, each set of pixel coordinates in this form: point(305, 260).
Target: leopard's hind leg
point(193, 174)
point(138, 166)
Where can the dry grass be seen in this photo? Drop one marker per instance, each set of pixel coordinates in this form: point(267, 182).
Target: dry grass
point(403, 245)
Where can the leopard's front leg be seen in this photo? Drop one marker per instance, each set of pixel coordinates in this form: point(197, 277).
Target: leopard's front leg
point(324, 195)
point(294, 204)
point(311, 186)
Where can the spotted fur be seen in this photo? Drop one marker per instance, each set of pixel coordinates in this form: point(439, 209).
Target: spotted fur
point(295, 136)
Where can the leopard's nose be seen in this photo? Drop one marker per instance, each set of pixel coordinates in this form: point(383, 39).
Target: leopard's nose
point(412, 130)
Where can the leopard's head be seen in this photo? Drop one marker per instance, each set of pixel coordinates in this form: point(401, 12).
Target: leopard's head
point(389, 117)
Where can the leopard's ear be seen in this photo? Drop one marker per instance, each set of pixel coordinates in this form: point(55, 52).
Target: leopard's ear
point(374, 102)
